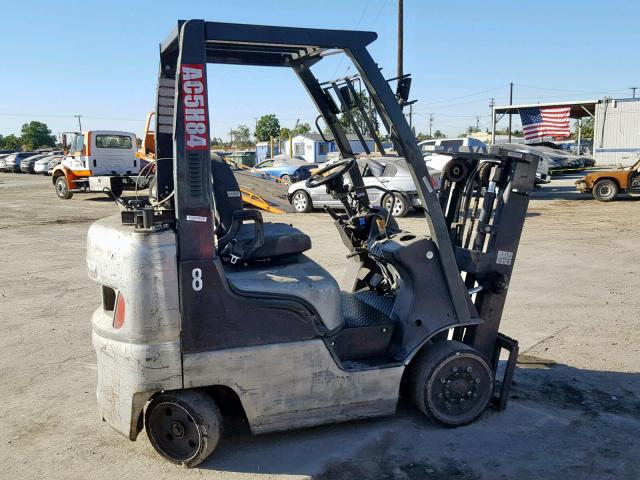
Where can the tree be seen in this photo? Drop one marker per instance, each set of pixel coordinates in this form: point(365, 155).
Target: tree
point(505, 131)
point(11, 142)
point(37, 134)
point(267, 127)
point(285, 132)
point(358, 118)
point(241, 135)
point(439, 134)
point(470, 129)
point(301, 129)
point(587, 129)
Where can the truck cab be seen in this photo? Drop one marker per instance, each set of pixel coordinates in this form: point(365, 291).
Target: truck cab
point(95, 160)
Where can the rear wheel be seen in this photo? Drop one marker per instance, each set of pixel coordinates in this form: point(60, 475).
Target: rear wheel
point(183, 426)
point(285, 178)
point(396, 204)
point(451, 382)
point(116, 186)
point(605, 190)
point(62, 188)
point(301, 202)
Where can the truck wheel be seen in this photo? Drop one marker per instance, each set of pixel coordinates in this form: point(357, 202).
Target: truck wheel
point(62, 188)
point(301, 202)
point(399, 208)
point(451, 382)
point(117, 187)
point(183, 426)
point(605, 190)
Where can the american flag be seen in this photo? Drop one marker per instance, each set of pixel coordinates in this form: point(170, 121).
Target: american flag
point(545, 122)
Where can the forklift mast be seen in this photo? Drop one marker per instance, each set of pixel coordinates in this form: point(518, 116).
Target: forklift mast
point(182, 129)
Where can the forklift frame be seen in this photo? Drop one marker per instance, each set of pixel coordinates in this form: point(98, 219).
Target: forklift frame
point(189, 48)
point(216, 335)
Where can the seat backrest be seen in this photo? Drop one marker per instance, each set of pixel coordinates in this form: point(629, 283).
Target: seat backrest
point(226, 192)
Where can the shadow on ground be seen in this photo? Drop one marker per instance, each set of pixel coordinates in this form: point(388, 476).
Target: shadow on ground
point(561, 422)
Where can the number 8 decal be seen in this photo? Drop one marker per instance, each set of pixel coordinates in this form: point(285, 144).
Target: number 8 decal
point(196, 283)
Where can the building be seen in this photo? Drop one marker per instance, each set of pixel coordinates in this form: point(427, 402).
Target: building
point(264, 150)
point(616, 132)
point(314, 149)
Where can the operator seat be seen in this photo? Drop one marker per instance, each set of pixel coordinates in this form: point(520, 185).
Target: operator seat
point(279, 239)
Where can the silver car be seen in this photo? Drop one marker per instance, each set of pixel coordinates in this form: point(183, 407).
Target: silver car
point(42, 165)
point(389, 173)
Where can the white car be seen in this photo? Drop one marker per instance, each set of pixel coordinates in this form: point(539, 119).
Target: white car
point(389, 173)
point(42, 166)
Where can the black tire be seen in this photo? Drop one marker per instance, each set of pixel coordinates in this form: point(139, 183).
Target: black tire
point(400, 206)
point(301, 201)
point(455, 170)
point(62, 188)
point(183, 426)
point(605, 190)
point(285, 178)
point(117, 186)
point(451, 382)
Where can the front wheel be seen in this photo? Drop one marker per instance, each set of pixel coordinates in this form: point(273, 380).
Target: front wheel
point(605, 190)
point(396, 204)
point(183, 426)
point(301, 202)
point(451, 382)
point(62, 188)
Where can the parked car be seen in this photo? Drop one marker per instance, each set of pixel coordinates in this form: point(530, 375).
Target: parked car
point(27, 164)
point(13, 161)
point(42, 165)
point(605, 185)
point(560, 158)
point(3, 160)
point(54, 162)
point(281, 167)
point(438, 161)
point(435, 158)
point(389, 173)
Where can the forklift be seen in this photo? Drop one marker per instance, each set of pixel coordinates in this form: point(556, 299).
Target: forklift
point(208, 310)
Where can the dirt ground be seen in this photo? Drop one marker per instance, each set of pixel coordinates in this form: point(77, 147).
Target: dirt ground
point(573, 305)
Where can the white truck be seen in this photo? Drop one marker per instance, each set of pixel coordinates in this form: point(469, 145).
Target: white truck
point(97, 161)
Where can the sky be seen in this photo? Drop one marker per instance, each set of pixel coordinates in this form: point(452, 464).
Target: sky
point(100, 59)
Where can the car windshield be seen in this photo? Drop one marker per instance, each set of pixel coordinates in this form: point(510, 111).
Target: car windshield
point(114, 141)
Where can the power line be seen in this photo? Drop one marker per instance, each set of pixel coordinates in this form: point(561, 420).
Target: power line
point(567, 90)
point(357, 25)
point(444, 100)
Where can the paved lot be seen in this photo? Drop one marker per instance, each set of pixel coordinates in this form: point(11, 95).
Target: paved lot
point(573, 304)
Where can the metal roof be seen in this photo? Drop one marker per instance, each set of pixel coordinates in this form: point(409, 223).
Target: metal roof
point(579, 108)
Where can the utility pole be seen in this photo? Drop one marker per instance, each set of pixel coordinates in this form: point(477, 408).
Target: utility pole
point(430, 123)
point(510, 103)
point(633, 90)
point(79, 122)
point(492, 104)
point(400, 38)
point(411, 117)
point(477, 124)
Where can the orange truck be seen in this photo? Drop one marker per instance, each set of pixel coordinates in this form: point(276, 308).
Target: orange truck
point(605, 185)
point(97, 161)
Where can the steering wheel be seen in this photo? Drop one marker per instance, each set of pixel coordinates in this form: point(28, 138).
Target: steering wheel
point(319, 178)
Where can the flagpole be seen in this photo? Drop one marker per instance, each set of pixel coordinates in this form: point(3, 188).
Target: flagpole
point(510, 103)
